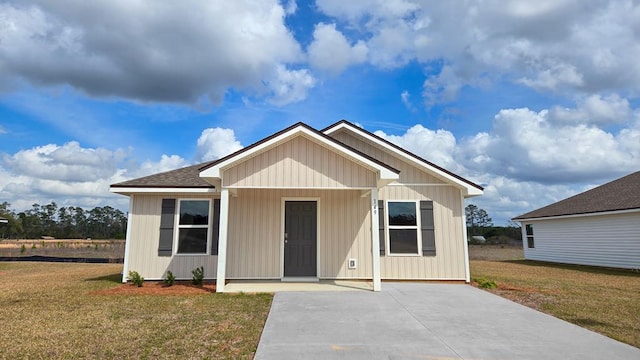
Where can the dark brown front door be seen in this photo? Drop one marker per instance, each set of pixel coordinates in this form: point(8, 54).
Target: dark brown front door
point(300, 232)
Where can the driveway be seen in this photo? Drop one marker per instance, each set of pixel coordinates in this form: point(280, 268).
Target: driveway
point(423, 321)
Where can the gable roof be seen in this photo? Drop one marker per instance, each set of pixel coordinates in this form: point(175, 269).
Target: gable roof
point(213, 169)
point(186, 177)
point(195, 176)
point(471, 188)
point(617, 195)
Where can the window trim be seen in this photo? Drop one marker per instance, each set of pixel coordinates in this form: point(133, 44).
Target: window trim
point(530, 238)
point(177, 227)
point(417, 227)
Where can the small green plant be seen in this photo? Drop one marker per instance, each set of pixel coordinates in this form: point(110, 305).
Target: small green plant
point(198, 276)
point(170, 279)
point(485, 283)
point(135, 278)
point(23, 249)
point(43, 244)
point(95, 247)
point(33, 246)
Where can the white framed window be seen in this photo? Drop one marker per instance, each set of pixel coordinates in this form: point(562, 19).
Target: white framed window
point(529, 231)
point(193, 233)
point(403, 224)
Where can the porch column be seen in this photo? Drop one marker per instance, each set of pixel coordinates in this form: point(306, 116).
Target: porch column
point(222, 240)
point(375, 241)
point(467, 274)
point(127, 241)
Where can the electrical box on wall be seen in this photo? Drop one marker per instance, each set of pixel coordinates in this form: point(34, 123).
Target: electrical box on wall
point(353, 263)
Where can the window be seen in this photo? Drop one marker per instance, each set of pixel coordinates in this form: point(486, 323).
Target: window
point(529, 231)
point(193, 226)
point(403, 227)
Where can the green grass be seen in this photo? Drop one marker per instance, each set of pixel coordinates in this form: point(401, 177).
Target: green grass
point(48, 311)
point(604, 300)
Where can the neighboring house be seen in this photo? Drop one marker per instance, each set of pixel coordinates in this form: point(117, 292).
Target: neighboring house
point(599, 227)
point(302, 205)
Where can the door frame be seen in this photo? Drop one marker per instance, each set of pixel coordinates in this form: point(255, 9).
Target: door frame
point(283, 200)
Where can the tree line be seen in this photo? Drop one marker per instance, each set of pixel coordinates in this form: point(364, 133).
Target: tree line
point(479, 223)
point(71, 222)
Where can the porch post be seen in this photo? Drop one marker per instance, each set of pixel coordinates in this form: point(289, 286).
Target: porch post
point(127, 241)
point(467, 275)
point(222, 240)
point(375, 241)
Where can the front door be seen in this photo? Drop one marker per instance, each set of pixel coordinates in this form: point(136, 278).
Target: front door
point(300, 238)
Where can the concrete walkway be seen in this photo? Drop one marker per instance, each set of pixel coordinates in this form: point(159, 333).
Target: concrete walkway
point(423, 321)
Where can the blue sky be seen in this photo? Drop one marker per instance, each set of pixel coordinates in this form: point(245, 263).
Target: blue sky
point(536, 101)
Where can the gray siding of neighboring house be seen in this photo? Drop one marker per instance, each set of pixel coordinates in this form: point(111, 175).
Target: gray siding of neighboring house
point(601, 240)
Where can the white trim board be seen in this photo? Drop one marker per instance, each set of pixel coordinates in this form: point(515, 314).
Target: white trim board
point(558, 217)
point(158, 190)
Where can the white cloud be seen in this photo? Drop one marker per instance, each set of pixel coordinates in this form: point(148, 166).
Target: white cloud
point(530, 159)
point(215, 143)
point(527, 145)
point(547, 45)
point(330, 51)
point(290, 7)
point(436, 146)
point(406, 100)
point(595, 109)
point(2, 130)
point(63, 163)
point(179, 52)
point(72, 175)
point(166, 163)
point(288, 86)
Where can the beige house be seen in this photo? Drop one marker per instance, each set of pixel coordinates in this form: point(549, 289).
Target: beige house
point(302, 205)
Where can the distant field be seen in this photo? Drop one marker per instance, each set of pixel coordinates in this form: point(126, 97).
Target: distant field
point(61, 311)
point(496, 252)
point(603, 300)
point(111, 249)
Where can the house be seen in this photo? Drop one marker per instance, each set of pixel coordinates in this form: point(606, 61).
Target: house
point(599, 227)
point(302, 205)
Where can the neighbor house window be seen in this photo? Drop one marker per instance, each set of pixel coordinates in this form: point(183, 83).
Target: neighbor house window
point(403, 227)
point(529, 231)
point(193, 226)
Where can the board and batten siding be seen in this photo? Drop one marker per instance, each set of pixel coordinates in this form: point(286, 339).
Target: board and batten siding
point(143, 244)
point(449, 262)
point(599, 240)
point(299, 163)
point(409, 174)
point(256, 235)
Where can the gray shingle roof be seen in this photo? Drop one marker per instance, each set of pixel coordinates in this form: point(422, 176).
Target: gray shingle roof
point(186, 177)
point(620, 194)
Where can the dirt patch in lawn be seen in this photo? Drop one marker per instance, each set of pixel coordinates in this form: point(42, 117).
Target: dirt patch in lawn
point(158, 288)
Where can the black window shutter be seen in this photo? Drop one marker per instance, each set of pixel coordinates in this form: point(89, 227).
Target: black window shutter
point(216, 227)
point(165, 245)
point(428, 236)
point(381, 225)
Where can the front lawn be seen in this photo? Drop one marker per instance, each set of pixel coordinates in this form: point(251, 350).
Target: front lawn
point(54, 310)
